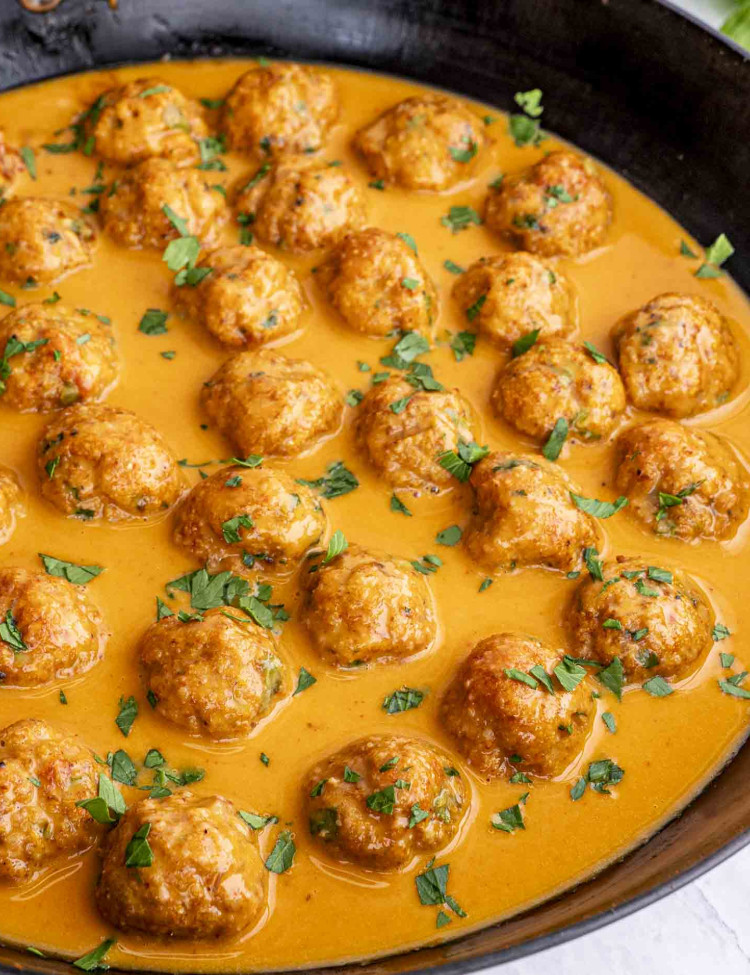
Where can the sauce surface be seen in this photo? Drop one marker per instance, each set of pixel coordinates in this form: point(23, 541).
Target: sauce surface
point(320, 911)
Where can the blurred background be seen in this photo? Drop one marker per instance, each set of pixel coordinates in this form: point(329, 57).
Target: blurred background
point(730, 16)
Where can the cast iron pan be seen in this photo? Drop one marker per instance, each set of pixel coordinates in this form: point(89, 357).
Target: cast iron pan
point(658, 98)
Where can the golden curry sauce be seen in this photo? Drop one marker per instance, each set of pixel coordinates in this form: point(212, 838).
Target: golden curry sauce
point(320, 911)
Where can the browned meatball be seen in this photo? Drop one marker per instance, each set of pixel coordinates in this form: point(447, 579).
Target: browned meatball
point(665, 621)
point(494, 717)
point(101, 462)
point(403, 431)
point(677, 355)
point(250, 515)
point(276, 108)
point(12, 503)
point(301, 203)
point(249, 298)
point(44, 774)
point(268, 404)
point(682, 482)
point(378, 285)
point(41, 240)
point(134, 214)
point(143, 119)
point(382, 800)
point(509, 295)
point(55, 357)
point(362, 608)
point(205, 876)
point(558, 206)
point(557, 379)
point(218, 675)
point(524, 516)
point(11, 166)
point(50, 629)
point(428, 142)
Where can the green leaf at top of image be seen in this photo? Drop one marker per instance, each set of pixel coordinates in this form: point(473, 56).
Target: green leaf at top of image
point(737, 25)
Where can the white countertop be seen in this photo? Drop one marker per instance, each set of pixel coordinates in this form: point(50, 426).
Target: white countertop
point(702, 929)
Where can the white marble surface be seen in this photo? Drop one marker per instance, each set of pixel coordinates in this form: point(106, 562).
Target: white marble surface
point(702, 929)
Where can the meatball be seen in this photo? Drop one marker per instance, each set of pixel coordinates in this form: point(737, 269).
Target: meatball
point(558, 206)
point(143, 119)
point(44, 774)
point(41, 240)
point(217, 675)
point(556, 379)
point(428, 142)
point(251, 515)
point(268, 404)
point(204, 877)
point(50, 629)
point(677, 355)
point(249, 298)
point(100, 462)
point(280, 108)
point(383, 800)
point(134, 214)
point(12, 503)
point(509, 295)
point(492, 716)
point(11, 166)
point(665, 621)
point(378, 285)
point(403, 431)
point(301, 204)
point(524, 516)
point(55, 357)
point(682, 482)
point(362, 607)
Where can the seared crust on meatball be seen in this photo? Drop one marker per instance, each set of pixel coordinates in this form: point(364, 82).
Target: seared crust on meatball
point(134, 214)
point(509, 295)
point(256, 512)
point(101, 462)
point(205, 879)
point(428, 142)
point(43, 775)
point(218, 675)
point(51, 630)
point(382, 800)
point(557, 206)
point(682, 482)
point(12, 503)
point(144, 119)
point(524, 516)
point(404, 444)
point(55, 357)
point(267, 404)
point(378, 285)
point(249, 298)
point(301, 203)
point(363, 607)
point(677, 355)
point(666, 622)
point(493, 717)
point(278, 109)
point(11, 166)
point(557, 379)
point(41, 240)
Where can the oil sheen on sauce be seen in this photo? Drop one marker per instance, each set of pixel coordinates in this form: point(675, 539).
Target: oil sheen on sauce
point(320, 911)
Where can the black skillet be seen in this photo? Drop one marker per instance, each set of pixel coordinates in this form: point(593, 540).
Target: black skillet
point(661, 100)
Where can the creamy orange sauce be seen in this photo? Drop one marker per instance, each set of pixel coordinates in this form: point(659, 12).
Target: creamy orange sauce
point(320, 911)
